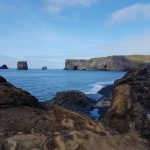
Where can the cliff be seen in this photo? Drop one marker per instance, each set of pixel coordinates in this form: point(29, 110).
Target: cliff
point(130, 104)
point(22, 65)
point(112, 63)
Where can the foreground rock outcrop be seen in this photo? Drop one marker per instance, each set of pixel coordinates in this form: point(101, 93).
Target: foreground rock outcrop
point(113, 63)
point(131, 103)
point(12, 96)
point(26, 126)
point(73, 100)
point(22, 65)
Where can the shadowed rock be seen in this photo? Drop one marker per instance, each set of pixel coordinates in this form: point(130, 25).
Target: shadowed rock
point(106, 91)
point(12, 96)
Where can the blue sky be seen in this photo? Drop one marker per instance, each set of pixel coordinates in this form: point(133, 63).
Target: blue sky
point(46, 32)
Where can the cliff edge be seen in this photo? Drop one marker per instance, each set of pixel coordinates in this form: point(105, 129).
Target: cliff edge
point(110, 63)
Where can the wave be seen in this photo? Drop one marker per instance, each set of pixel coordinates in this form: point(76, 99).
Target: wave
point(95, 87)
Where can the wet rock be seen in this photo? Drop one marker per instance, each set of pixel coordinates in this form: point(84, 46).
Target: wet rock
point(22, 65)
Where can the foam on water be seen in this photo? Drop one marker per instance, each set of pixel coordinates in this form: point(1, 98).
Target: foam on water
point(95, 87)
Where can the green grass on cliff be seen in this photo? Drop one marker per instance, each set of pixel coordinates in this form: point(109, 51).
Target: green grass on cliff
point(139, 58)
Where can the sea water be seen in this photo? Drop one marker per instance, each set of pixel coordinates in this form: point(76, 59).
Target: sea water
point(45, 84)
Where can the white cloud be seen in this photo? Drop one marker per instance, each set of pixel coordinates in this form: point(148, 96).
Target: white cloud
point(57, 6)
point(133, 12)
point(132, 44)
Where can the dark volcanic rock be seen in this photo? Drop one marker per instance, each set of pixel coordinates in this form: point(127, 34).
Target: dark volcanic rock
point(12, 96)
point(131, 103)
point(106, 91)
point(73, 100)
point(4, 67)
point(44, 68)
point(22, 65)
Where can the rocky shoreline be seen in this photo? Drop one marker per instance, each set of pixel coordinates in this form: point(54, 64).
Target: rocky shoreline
point(64, 123)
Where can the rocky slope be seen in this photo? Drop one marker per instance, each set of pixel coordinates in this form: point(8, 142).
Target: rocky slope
point(114, 63)
point(131, 103)
point(12, 96)
point(24, 125)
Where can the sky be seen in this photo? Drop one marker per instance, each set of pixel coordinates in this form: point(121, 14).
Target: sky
point(46, 32)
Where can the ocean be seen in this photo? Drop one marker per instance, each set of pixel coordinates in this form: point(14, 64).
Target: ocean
point(45, 84)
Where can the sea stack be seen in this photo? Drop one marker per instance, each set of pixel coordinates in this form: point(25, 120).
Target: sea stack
point(3, 67)
point(22, 65)
point(44, 68)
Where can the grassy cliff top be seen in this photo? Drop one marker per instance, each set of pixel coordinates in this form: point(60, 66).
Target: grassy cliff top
point(139, 58)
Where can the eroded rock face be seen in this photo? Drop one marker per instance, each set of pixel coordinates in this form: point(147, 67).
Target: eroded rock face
point(131, 103)
point(12, 96)
point(114, 63)
point(25, 128)
point(22, 65)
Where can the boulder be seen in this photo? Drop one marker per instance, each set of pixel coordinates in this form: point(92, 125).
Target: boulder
point(73, 100)
point(22, 65)
point(4, 67)
point(131, 103)
point(11, 96)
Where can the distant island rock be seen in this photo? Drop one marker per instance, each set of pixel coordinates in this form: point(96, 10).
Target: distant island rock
point(3, 67)
point(110, 63)
point(44, 68)
point(22, 65)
